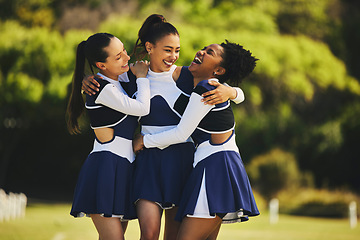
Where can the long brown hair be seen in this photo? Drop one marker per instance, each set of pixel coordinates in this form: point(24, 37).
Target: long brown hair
point(93, 51)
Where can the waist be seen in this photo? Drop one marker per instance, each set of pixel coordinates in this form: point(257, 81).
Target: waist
point(205, 149)
point(118, 146)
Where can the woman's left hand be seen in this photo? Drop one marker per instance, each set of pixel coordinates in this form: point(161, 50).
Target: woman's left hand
point(220, 94)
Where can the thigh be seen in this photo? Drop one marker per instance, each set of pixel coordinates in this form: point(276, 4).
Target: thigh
point(149, 217)
point(199, 228)
point(171, 226)
point(109, 228)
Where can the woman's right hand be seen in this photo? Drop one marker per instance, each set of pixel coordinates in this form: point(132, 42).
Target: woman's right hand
point(138, 143)
point(140, 69)
point(89, 85)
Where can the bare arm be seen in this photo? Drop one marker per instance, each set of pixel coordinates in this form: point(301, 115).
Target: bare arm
point(89, 85)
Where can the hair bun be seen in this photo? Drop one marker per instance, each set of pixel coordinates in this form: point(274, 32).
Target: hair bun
point(156, 18)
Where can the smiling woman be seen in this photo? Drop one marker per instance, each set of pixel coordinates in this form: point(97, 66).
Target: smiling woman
point(103, 188)
point(166, 52)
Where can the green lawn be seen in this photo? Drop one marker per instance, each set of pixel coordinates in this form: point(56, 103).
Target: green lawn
point(53, 222)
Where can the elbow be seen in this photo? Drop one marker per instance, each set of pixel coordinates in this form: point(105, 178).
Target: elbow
point(144, 111)
point(241, 96)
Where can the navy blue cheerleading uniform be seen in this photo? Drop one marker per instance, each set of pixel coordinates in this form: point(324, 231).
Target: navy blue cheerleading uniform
point(160, 173)
point(105, 179)
point(218, 184)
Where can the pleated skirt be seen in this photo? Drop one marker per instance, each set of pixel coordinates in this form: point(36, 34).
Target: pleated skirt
point(218, 185)
point(160, 175)
point(104, 187)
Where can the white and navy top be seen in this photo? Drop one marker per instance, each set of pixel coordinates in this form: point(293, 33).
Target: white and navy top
point(170, 99)
point(199, 121)
point(117, 105)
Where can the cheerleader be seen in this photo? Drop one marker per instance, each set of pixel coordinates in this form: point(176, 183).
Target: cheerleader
point(218, 190)
point(160, 175)
point(103, 188)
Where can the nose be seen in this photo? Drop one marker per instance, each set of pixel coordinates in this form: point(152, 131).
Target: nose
point(127, 56)
point(174, 55)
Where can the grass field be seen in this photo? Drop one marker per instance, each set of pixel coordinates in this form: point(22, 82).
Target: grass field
point(53, 222)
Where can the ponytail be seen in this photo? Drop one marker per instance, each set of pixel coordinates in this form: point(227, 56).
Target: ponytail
point(153, 29)
point(75, 106)
point(91, 51)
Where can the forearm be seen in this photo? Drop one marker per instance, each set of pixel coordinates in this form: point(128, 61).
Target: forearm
point(192, 116)
point(113, 98)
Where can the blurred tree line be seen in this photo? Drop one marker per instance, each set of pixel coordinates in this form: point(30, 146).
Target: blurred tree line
point(302, 103)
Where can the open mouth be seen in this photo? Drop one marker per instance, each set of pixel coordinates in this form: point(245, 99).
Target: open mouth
point(168, 63)
point(197, 60)
point(125, 65)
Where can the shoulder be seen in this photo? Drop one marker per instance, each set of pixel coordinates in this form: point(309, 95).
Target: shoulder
point(203, 87)
point(102, 82)
point(176, 73)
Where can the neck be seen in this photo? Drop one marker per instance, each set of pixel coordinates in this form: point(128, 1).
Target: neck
point(197, 80)
point(154, 69)
point(200, 78)
point(113, 77)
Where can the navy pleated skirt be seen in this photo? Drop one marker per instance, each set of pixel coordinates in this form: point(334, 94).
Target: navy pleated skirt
point(160, 175)
point(218, 185)
point(104, 187)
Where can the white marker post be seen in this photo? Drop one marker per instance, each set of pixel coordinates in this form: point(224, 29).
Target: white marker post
point(274, 210)
point(353, 214)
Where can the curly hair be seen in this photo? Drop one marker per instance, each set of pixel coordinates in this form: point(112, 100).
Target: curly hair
point(237, 61)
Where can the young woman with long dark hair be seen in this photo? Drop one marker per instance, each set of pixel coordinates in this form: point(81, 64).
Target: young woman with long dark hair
point(104, 184)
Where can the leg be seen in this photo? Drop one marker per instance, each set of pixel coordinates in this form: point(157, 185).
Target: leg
point(149, 216)
point(171, 226)
point(124, 225)
point(198, 228)
point(108, 228)
point(214, 234)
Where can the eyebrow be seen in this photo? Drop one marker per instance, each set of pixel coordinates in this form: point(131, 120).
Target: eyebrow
point(171, 47)
point(120, 52)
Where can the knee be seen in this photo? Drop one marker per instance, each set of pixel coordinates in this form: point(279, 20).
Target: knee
point(149, 234)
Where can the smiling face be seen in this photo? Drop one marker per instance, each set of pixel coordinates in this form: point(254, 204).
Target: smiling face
point(206, 63)
point(164, 53)
point(117, 60)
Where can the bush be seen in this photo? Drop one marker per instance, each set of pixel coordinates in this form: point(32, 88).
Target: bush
point(316, 203)
point(274, 171)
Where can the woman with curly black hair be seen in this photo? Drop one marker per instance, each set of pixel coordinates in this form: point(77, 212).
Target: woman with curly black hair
point(218, 189)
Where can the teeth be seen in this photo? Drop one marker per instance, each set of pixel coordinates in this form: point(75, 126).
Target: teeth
point(125, 65)
point(197, 60)
point(168, 63)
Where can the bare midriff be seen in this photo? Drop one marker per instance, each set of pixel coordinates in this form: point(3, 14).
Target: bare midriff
point(220, 138)
point(104, 134)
